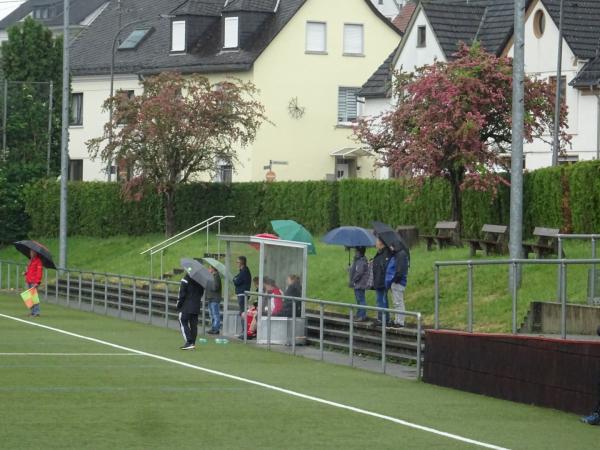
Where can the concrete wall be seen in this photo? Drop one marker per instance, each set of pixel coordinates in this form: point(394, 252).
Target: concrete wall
point(545, 317)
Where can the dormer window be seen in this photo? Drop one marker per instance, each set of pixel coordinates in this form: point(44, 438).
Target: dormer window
point(41, 12)
point(230, 38)
point(178, 36)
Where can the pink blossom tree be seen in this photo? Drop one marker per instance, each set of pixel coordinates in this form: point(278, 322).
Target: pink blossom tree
point(453, 120)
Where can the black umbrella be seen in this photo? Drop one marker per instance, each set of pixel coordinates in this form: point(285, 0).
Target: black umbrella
point(26, 246)
point(390, 237)
point(197, 272)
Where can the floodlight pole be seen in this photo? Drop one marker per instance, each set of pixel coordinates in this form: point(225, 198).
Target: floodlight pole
point(64, 144)
point(516, 172)
point(557, 103)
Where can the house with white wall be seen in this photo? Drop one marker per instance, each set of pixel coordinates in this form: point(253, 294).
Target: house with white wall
point(308, 58)
point(437, 27)
point(389, 8)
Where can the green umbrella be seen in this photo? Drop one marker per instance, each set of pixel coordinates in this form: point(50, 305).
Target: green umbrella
point(219, 266)
point(290, 230)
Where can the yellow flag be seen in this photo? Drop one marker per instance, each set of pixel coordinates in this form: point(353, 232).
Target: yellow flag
point(30, 297)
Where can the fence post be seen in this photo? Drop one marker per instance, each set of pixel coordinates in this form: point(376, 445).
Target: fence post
point(321, 321)
point(351, 337)
point(8, 277)
point(68, 287)
point(563, 301)
point(133, 306)
point(384, 315)
point(269, 323)
point(150, 301)
point(436, 306)
point(56, 288)
point(105, 294)
point(0, 274)
point(470, 297)
point(593, 286)
point(119, 293)
point(559, 271)
point(514, 297)
point(79, 297)
point(204, 314)
point(419, 328)
point(166, 305)
point(93, 291)
point(293, 326)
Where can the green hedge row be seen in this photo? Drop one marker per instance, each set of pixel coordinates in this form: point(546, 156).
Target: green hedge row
point(565, 198)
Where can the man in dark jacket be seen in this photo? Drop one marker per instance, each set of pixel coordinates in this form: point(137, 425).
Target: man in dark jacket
point(380, 263)
point(242, 282)
point(213, 298)
point(188, 305)
point(396, 278)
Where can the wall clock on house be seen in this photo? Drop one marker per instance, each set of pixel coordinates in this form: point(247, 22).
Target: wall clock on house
point(294, 109)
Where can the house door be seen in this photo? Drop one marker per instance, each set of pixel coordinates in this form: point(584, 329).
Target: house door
point(342, 171)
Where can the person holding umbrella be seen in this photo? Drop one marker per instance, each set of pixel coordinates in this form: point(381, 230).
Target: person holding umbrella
point(359, 276)
point(33, 277)
point(191, 290)
point(39, 257)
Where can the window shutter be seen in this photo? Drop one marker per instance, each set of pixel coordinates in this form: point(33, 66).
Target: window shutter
point(316, 39)
point(353, 39)
point(347, 104)
point(231, 32)
point(178, 36)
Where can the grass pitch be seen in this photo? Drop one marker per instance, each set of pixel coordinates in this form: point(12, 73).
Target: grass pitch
point(64, 391)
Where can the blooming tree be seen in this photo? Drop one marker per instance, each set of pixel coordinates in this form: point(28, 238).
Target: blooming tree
point(177, 128)
point(454, 119)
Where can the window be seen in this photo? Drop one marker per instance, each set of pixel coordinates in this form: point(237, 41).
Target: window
point(539, 23)
point(41, 12)
point(347, 104)
point(421, 36)
point(76, 170)
point(563, 87)
point(135, 38)
point(353, 39)
point(225, 173)
point(567, 159)
point(178, 36)
point(230, 40)
point(77, 108)
point(316, 37)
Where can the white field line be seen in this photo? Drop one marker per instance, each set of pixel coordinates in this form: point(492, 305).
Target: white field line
point(268, 386)
point(69, 354)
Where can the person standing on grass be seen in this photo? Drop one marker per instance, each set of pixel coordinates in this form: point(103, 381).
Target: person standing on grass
point(33, 277)
point(380, 263)
point(395, 279)
point(188, 305)
point(213, 297)
point(242, 282)
point(359, 276)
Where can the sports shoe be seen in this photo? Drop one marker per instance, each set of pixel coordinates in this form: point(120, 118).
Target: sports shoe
point(187, 347)
point(212, 332)
point(592, 419)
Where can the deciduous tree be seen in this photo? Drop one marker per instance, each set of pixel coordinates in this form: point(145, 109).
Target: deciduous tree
point(179, 127)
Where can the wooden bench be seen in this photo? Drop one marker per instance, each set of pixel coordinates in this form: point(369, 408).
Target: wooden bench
point(446, 234)
point(494, 240)
point(546, 243)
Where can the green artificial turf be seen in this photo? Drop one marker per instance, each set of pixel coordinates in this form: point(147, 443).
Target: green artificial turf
point(327, 275)
point(138, 402)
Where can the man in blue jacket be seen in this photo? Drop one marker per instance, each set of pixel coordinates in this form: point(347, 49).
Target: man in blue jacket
point(395, 279)
point(242, 282)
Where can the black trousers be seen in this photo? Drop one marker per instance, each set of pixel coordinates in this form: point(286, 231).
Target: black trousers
point(189, 327)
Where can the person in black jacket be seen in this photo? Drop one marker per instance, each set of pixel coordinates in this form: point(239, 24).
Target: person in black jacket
point(242, 282)
point(380, 262)
point(293, 289)
point(213, 297)
point(188, 305)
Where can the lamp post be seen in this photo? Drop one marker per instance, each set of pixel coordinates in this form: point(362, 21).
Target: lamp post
point(557, 103)
point(112, 70)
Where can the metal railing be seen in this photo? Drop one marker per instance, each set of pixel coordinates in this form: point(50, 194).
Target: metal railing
point(515, 266)
point(162, 246)
point(584, 237)
point(155, 303)
point(351, 309)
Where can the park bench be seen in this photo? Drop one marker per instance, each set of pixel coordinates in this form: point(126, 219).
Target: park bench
point(446, 234)
point(494, 240)
point(546, 243)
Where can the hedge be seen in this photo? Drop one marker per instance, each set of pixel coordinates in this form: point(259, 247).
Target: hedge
point(566, 197)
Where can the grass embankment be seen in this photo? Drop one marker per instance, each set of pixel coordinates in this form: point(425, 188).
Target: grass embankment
point(327, 277)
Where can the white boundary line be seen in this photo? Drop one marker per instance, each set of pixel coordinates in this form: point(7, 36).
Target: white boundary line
point(268, 386)
point(69, 354)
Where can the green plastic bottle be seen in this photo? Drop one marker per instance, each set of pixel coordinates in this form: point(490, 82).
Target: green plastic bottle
point(221, 341)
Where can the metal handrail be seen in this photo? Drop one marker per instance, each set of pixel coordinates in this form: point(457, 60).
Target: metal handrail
point(162, 246)
point(514, 264)
point(351, 307)
point(156, 303)
point(593, 238)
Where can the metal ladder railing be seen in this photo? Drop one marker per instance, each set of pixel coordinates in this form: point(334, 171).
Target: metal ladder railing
point(162, 246)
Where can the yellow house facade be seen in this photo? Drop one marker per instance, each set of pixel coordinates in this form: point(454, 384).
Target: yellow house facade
point(315, 55)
